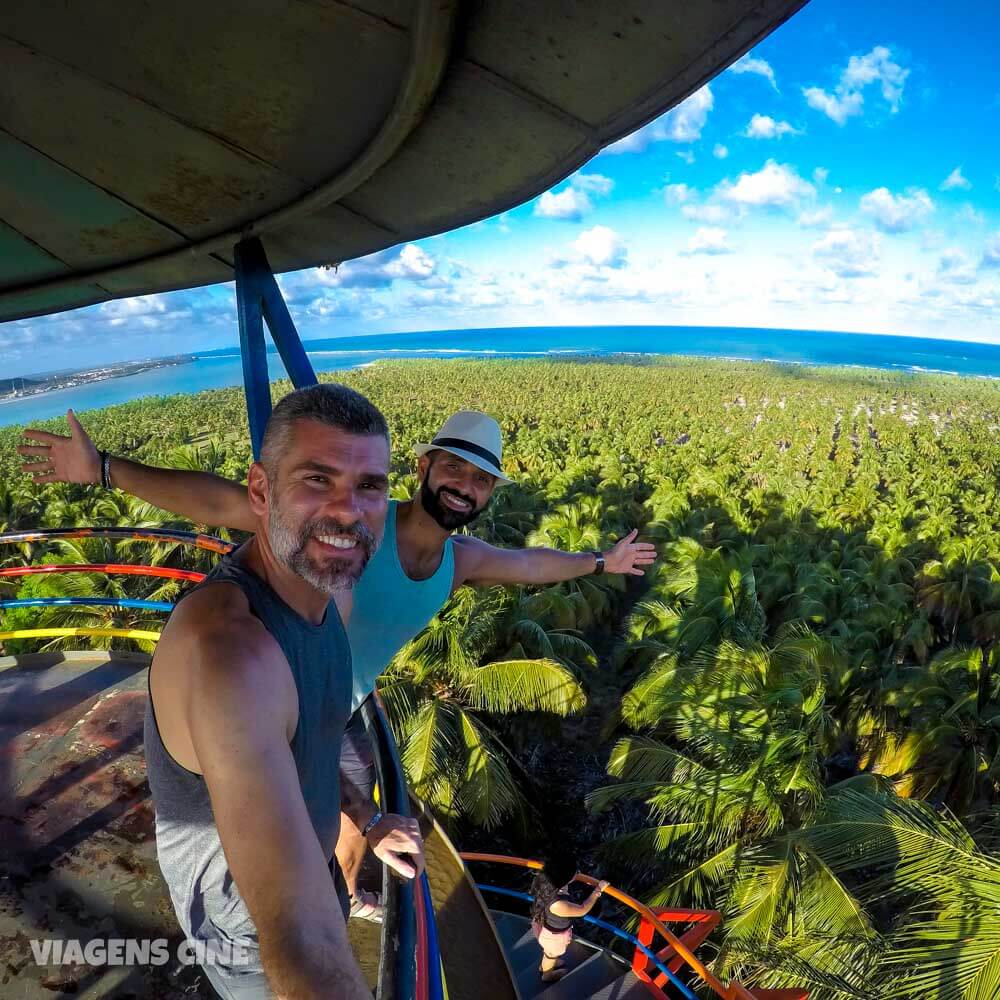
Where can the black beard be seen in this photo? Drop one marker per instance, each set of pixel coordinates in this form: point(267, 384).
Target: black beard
point(445, 517)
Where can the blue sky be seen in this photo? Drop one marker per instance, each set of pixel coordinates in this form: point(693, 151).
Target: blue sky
point(844, 175)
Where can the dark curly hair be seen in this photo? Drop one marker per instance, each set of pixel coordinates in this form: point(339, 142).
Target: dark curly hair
point(558, 870)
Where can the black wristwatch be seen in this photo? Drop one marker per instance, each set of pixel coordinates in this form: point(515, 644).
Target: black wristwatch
point(599, 563)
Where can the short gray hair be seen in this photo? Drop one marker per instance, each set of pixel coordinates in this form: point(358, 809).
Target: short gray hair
point(328, 403)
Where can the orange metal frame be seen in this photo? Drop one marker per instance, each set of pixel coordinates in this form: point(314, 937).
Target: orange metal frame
point(678, 950)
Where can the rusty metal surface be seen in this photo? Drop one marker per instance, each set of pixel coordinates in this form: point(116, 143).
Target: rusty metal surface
point(126, 141)
point(77, 857)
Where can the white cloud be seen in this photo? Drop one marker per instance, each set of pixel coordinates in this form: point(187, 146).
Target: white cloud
point(848, 252)
point(379, 270)
point(593, 183)
point(847, 99)
point(955, 180)
point(956, 266)
point(144, 310)
point(687, 156)
point(775, 185)
point(682, 124)
point(759, 67)
point(568, 204)
point(897, 213)
point(968, 213)
point(820, 175)
point(720, 152)
point(708, 240)
point(712, 213)
point(413, 263)
point(602, 247)
point(991, 255)
point(815, 219)
point(765, 127)
point(573, 202)
point(678, 194)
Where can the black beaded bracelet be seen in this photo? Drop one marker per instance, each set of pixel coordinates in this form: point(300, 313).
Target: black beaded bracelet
point(106, 470)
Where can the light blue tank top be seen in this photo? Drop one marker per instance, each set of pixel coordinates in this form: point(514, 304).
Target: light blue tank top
point(390, 608)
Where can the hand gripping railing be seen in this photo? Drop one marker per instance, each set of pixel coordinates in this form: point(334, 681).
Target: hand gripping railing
point(415, 969)
point(679, 950)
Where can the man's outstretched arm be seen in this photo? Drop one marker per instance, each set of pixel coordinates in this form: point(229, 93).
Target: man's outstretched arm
point(198, 496)
point(481, 564)
point(237, 713)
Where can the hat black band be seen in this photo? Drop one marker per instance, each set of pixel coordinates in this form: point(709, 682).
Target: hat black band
point(467, 446)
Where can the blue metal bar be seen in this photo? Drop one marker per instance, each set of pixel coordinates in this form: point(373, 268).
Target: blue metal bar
point(259, 300)
point(86, 602)
point(435, 990)
point(392, 786)
point(256, 381)
point(681, 987)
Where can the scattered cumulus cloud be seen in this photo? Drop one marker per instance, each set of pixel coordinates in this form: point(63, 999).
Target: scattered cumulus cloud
point(847, 98)
point(569, 204)
point(573, 202)
point(681, 124)
point(957, 267)
point(820, 175)
point(602, 247)
point(711, 212)
point(719, 151)
point(593, 183)
point(678, 194)
point(955, 180)
point(991, 255)
point(775, 185)
point(758, 67)
point(765, 127)
point(848, 253)
point(708, 240)
point(897, 213)
point(378, 270)
point(815, 218)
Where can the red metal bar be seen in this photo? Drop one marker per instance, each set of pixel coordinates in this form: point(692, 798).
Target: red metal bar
point(703, 921)
point(166, 572)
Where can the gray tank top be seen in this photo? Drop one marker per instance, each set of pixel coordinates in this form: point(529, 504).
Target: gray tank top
point(208, 905)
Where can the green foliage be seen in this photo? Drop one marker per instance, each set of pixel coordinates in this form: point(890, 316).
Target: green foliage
point(802, 698)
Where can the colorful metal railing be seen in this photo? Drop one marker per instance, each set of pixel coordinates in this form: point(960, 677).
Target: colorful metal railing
point(678, 951)
point(416, 970)
point(666, 974)
point(110, 569)
point(208, 542)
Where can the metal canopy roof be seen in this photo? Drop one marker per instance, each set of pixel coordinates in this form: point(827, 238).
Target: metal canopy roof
point(139, 142)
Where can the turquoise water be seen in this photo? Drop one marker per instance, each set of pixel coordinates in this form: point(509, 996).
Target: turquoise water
point(217, 369)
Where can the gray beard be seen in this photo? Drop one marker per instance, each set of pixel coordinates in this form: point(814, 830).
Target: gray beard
point(289, 548)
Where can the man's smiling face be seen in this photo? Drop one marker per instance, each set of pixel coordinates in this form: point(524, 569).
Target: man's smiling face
point(453, 491)
point(327, 503)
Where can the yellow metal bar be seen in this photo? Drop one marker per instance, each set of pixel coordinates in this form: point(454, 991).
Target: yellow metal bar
point(55, 633)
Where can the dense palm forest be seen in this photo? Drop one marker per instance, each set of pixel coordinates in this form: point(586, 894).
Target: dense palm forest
point(794, 718)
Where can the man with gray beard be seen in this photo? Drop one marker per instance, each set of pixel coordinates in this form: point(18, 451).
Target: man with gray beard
point(249, 692)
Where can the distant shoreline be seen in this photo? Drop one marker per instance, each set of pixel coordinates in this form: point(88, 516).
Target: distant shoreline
point(42, 385)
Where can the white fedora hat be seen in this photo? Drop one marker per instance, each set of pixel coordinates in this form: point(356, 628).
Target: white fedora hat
point(473, 436)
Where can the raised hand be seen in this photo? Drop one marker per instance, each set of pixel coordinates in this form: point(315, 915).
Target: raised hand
point(628, 555)
point(59, 459)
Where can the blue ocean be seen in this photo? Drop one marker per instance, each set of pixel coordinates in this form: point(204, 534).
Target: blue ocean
point(216, 369)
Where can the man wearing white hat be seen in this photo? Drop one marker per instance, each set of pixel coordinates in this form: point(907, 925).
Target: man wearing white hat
point(418, 566)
